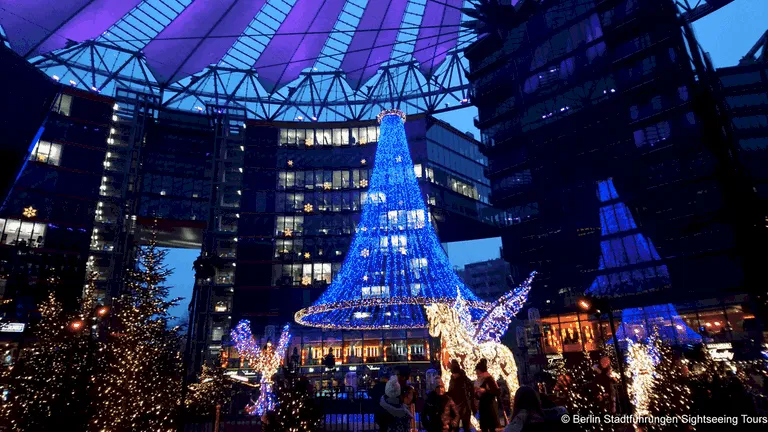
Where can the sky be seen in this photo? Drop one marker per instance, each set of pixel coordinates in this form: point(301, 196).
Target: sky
point(726, 34)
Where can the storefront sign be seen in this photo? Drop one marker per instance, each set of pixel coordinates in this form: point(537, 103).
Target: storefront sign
point(721, 351)
point(12, 327)
point(554, 358)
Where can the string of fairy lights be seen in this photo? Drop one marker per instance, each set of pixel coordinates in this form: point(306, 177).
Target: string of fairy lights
point(395, 264)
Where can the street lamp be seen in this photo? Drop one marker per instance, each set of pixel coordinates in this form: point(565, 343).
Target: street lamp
point(595, 305)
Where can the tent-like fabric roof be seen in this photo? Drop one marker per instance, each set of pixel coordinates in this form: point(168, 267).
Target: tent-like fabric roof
point(277, 38)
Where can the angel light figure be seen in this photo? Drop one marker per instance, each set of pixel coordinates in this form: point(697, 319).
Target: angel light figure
point(265, 361)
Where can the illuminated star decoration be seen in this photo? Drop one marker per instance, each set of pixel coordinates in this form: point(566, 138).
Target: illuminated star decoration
point(288, 232)
point(29, 212)
point(306, 280)
point(308, 207)
point(306, 255)
point(290, 163)
point(395, 266)
point(327, 186)
point(264, 361)
point(363, 161)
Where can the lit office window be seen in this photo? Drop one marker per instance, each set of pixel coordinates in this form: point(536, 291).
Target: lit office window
point(417, 170)
point(63, 104)
point(47, 152)
point(14, 231)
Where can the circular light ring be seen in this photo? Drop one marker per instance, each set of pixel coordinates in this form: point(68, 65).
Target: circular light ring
point(301, 315)
point(393, 111)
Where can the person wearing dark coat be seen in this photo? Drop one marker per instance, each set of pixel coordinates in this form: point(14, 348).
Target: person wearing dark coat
point(486, 392)
point(381, 416)
point(460, 390)
point(439, 413)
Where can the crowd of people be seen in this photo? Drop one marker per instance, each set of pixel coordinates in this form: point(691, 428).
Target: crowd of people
point(452, 409)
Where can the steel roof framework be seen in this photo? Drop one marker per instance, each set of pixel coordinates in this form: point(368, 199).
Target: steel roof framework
point(349, 68)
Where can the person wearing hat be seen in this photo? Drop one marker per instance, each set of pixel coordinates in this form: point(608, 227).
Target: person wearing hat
point(378, 392)
point(486, 391)
point(439, 413)
point(460, 390)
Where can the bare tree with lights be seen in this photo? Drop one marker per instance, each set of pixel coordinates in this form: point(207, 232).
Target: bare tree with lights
point(141, 386)
point(670, 394)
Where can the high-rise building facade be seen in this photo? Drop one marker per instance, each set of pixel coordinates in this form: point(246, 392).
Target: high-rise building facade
point(490, 279)
point(745, 88)
point(577, 91)
point(286, 198)
point(47, 218)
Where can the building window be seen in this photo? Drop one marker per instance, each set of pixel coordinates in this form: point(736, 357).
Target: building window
point(63, 104)
point(217, 333)
point(15, 231)
point(417, 170)
point(651, 135)
point(464, 188)
point(47, 152)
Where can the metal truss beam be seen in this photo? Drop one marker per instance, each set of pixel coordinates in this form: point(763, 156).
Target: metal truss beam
point(315, 96)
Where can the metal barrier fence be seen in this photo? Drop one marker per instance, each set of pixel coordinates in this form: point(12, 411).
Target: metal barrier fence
point(343, 412)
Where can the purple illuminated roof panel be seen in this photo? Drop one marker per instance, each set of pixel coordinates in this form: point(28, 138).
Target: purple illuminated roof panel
point(298, 42)
point(34, 27)
point(185, 46)
point(369, 49)
point(438, 34)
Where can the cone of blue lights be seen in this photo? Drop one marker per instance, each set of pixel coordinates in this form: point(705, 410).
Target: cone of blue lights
point(395, 264)
point(629, 264)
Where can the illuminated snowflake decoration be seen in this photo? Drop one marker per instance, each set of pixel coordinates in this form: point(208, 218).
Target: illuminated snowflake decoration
point(29, 212)
point(307, 255)
point(365, 253)
point(308, 207)
point(363, 161)
point(363, 183)
point(306, 280)
point(327, 186)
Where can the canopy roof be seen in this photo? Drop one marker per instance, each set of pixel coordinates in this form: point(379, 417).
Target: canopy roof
point(257, 54)
point(325, 60)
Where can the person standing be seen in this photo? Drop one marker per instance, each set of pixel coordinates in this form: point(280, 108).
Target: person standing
point(439, 413)
point(390, 392)
point(460, 390)
point(401, 409)
point(486, 391)
point(527, 410)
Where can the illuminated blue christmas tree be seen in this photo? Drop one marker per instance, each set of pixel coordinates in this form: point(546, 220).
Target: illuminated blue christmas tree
point(395, 264)
point(629, 264)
